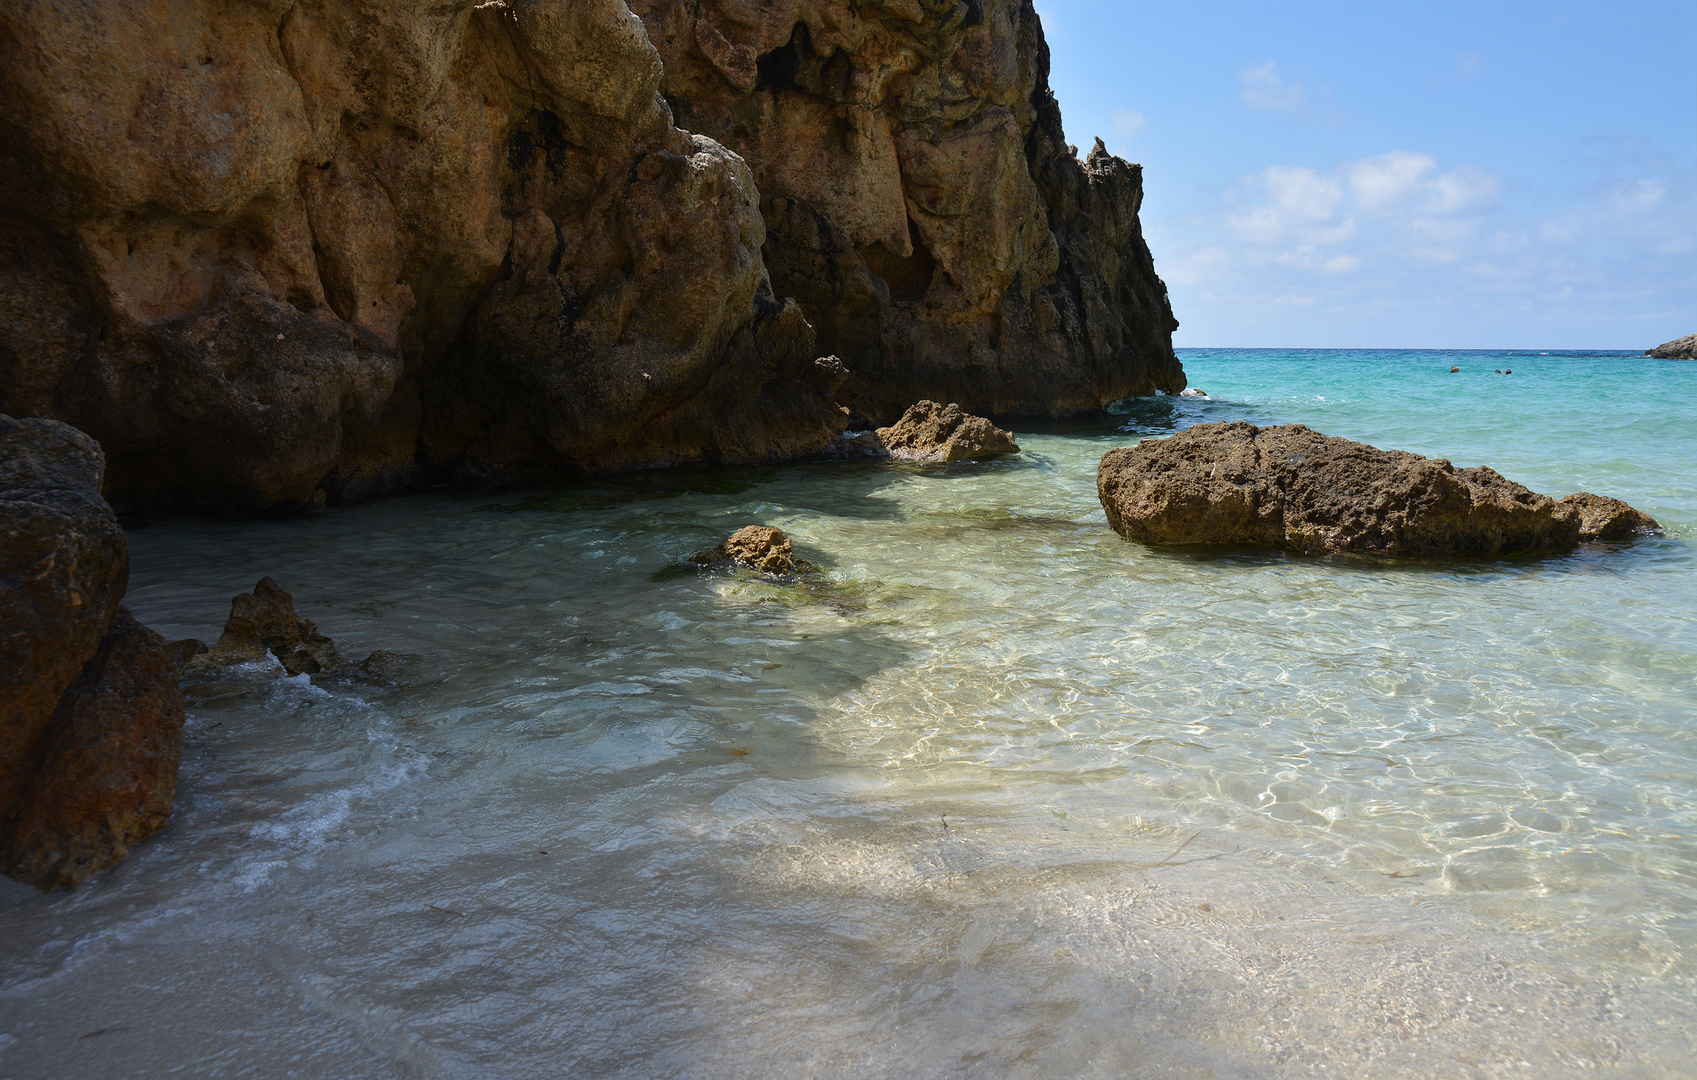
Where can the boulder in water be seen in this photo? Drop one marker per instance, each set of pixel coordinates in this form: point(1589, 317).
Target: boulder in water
point(1293, 487)
point(757, 547)
point(941, 434)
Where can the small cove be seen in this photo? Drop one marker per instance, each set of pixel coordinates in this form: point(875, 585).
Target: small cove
point(1002, 794)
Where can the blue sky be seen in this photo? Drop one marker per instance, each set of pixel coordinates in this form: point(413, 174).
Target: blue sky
point(1492, 174)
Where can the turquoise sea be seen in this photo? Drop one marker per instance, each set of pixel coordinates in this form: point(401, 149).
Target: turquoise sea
point(999, 795)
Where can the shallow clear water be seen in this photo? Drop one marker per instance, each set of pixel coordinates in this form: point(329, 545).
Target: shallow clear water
point(1000, 795)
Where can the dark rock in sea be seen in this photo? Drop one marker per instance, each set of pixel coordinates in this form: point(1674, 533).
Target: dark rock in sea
point(929, 432)
point(1684, 348)
point(89, 710)
point(1603, 518)
point(757, 547)
point(264, 622)
point(1292, 487)
point(105, 772)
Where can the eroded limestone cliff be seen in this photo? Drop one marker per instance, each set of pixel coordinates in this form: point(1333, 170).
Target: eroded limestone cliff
point(272, 251)
point(921, 201)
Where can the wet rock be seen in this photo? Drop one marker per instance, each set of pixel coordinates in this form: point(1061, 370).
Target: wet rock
point(269, 254)
point(264, 622)
point(386, 668)
point(1684, 348)
point(64, 565)
point(930, 432)
point(921, 200)
point(89, 710)
point(757, 547)
point(1194, 392)
point(1603, 518)
point(856, 446)
point(183, 652)
point(1292, 487)
point(105, 774)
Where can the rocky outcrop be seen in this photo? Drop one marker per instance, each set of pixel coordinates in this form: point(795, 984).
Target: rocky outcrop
point(1684, 348)
point(757, 547)
point(269, 254)
point(276, 254)
point(1292, 487)
point(263, 623)
point(90, 715)
point(943, 434)
point(922, 203)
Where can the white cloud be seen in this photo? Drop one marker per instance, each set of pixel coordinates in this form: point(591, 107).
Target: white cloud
point(1468, 65)
point(1265, 91)
point(1129, 121)
point(1388, 180)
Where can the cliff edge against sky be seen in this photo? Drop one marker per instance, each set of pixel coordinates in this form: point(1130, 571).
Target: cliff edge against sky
point(272, 253)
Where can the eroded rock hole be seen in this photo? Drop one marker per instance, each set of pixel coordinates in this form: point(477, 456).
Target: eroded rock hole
point(908, 278)
point(780, 68)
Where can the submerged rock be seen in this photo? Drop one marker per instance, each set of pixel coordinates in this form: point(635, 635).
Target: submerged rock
point(757, 547)
point(1684, 348)
point(264, 622)
point(90, 715)
point(1293, 487)
point(930, 432)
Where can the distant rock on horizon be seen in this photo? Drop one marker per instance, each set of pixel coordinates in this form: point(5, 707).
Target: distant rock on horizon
point(1684, 348)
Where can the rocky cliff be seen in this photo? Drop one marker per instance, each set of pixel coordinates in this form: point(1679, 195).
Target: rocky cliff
point(921, 200)
point(272, 252)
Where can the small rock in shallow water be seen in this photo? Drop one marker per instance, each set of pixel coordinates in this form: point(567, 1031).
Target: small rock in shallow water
point(264, 621)
point(386, 668)
point(933, 433)
point(1194, 392)
point(756, 547)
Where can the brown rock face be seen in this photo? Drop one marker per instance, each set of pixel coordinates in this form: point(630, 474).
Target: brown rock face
point(64, 566)
point(90, 714)
point(266, 253)
point(1292, 487)
point(264, 621)
point(930, 432)
point(757, 547)
point(1684, 348)
point(106, 772)
point(921, 201)
point(1603, 518)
